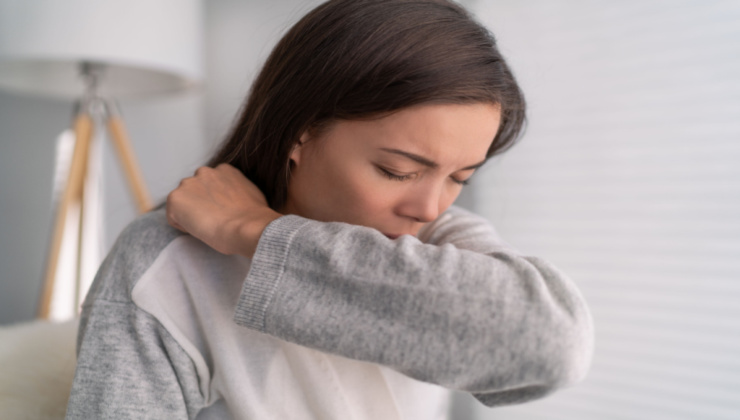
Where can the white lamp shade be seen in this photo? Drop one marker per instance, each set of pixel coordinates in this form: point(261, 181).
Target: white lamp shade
point(148, 46)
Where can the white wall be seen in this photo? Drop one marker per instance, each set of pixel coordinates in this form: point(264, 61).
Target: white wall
point(629, 179)
point(27, 130)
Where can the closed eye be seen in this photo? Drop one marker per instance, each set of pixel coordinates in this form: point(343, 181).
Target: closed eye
point(396, 177)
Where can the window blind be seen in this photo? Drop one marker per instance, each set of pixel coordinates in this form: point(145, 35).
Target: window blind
point(628, 179)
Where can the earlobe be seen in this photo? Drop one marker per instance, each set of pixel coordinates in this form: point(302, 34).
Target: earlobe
point(295, 154)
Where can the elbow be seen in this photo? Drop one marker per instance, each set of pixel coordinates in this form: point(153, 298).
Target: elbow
point(563, 331)
point(556, 359)
point(547, 344)
point(568, 367)
point(556, 350)
point(566, 348)
point(551, 349)
point(576, 353)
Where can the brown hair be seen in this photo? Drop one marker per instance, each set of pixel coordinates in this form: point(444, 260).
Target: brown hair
point(354, 59)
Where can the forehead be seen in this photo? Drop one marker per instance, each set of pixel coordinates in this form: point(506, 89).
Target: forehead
point(445, 133)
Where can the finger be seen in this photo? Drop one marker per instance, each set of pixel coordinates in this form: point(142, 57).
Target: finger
point(230, 170)
point(182, 183)
point(203, 171)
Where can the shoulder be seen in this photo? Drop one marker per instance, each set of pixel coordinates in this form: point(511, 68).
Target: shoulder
point(136, 248)
point(146, 235)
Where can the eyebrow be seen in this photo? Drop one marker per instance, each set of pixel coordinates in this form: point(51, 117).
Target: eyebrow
point(427, 162)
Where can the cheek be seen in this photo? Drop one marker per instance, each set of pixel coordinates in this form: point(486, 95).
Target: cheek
point(364, 195)
point(333, 189)
point(345, 188)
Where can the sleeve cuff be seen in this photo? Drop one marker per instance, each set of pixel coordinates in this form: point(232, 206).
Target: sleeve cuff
point(266, 271)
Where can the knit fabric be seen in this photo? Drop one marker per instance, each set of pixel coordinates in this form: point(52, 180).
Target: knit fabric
point(327, 321)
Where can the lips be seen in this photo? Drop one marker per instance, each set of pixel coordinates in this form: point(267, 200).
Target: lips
point(390, 236)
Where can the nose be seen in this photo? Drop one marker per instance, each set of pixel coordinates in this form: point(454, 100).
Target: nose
point(423, 205)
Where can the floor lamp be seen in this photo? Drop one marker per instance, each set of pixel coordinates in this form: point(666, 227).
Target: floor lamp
point(96, 50)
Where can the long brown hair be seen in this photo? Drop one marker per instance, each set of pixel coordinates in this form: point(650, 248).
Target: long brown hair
point(353, 59)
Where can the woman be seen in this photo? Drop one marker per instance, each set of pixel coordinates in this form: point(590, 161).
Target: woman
point(326, 275)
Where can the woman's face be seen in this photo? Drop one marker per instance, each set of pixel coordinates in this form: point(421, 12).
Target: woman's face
point(394, 173)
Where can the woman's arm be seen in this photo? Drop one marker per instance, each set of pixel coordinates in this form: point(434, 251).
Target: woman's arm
point(463, 311)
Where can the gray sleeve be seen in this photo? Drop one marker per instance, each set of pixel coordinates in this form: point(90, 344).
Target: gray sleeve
point(463, 310)
point(128, 365)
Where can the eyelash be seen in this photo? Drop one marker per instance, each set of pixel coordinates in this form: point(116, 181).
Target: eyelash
point(390, 175)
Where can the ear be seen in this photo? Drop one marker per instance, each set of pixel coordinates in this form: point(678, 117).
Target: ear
point(295, 154)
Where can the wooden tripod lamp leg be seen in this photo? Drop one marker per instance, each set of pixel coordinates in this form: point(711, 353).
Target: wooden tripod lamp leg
point(83, 127)
point(128, 161)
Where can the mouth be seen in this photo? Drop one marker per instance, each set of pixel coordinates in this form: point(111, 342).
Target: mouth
point(391, 237)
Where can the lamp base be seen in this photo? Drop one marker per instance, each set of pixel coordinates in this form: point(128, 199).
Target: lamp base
point(74, 189)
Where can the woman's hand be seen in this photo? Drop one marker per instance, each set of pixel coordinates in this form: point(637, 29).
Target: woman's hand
point(222, 208)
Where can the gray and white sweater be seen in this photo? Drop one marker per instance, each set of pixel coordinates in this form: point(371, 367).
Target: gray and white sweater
point(327, 321)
